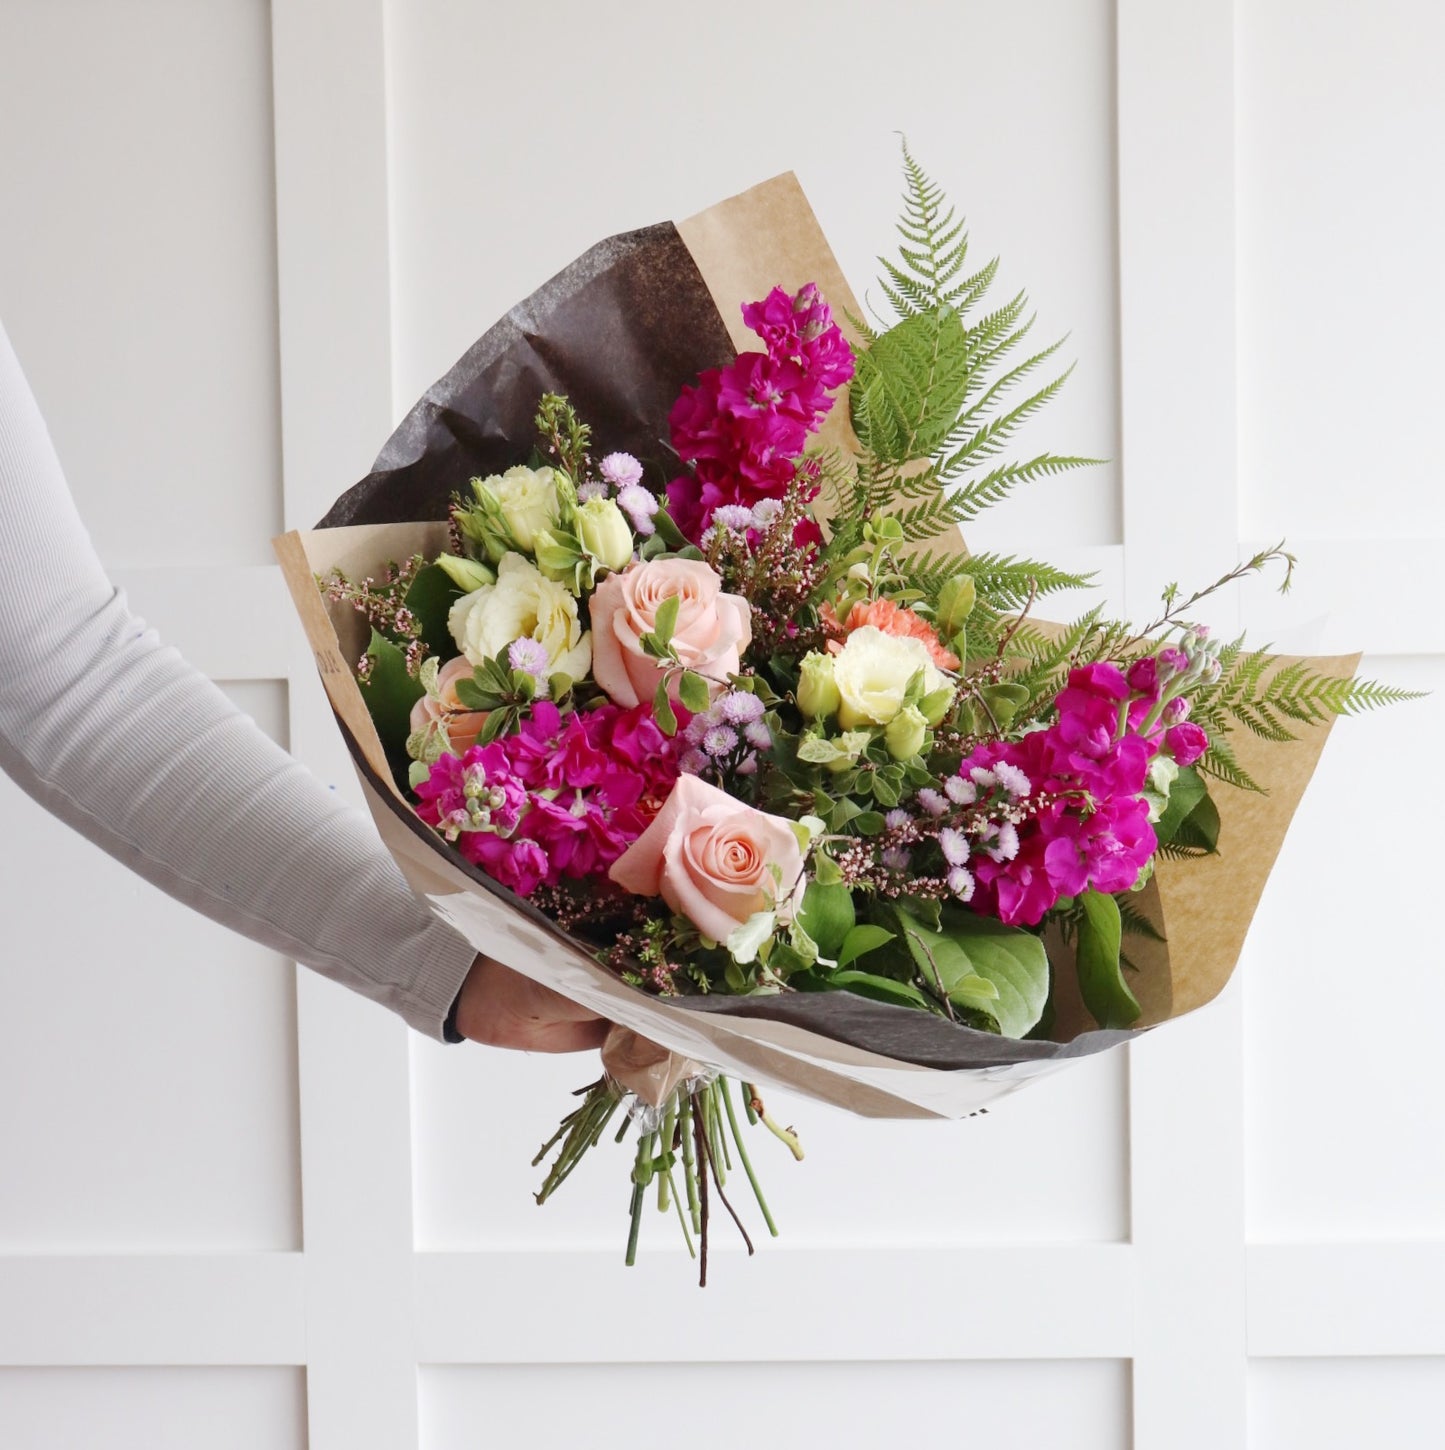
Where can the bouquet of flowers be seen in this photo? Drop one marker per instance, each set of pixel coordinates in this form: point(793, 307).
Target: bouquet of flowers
point(673, 686)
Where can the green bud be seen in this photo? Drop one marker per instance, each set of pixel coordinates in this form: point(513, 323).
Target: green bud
point(557, 557)
point(935, 705)
point(603, 531)
point(850, 745)
point(818, 696)
point(906, 732)
point(466, 574)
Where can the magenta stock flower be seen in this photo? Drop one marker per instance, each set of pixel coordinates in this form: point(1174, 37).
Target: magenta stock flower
point(1092, 830)
point(560, 798)
point(1186, 742)
point(744, 426)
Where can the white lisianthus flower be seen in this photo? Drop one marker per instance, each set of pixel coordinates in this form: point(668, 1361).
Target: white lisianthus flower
point(522, 605)
point(872, 672)
point(527, 498)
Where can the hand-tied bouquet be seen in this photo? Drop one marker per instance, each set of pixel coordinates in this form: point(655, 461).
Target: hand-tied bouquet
point(740, 717)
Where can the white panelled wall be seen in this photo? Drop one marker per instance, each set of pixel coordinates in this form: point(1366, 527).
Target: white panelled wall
point(239, 239)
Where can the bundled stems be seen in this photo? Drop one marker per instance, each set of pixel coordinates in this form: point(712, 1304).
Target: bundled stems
point(692, 1128)
point(727, 1098)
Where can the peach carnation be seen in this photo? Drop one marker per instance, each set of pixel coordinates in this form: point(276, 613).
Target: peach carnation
point(884, 615)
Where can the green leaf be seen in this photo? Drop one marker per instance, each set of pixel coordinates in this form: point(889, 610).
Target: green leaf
point(826, 871)
point(881, 989)
point(785, 959)
point(494, 676)
point(665, 620)
point(955, 603)
point(976, 993)
point(884, 791)
point(1012, 960)
point(668, 531)
point(1186, 791)
point(692, 689)
point(868, 823)
point(498, 723)
point(1005, 701)
point(1101, 975)
point(828, 915)
point(390, 692)
point(662, 710)
point(864, 938)
point(474, 697)
point(430, 599)
point(1199, 831)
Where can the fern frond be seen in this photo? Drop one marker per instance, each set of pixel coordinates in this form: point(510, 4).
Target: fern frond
point(1006, 581)
point(1220, 762)
point(968, 292)
point(985, 442)
point(971, 499)
point(931, 392)
point(1134, 921)
point(1255, 691)
point(969, 418)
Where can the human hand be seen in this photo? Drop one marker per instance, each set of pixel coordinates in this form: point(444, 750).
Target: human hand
point(502, 1008)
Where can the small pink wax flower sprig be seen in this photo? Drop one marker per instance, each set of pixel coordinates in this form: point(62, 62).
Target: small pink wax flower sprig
point(560, 798)
point(743, 427)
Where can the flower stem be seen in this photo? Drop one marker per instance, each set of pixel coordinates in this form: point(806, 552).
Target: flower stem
point(727, 1098)
point(720, 1162)
point(641, 1177)
point(701, 1152)
point(689, 1163)
point(681, 1215)
point(710, 1161)
point(664, 1179)
point(787, 1135)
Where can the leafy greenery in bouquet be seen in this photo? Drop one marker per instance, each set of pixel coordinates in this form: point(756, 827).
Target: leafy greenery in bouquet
point(752, 721)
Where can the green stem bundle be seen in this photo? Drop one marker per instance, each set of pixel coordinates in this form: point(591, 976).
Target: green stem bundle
point(692, 1131)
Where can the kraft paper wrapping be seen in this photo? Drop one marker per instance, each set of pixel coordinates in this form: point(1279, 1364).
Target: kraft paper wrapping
point(620, 331)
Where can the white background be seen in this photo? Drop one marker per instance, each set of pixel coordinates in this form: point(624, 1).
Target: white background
point(238, 1208)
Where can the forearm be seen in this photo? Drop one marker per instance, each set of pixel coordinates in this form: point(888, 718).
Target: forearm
point(117, 735)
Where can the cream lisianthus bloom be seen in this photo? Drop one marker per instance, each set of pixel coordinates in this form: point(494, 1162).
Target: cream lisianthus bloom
point(872, 672)
point(527, 498)
point(522, 605)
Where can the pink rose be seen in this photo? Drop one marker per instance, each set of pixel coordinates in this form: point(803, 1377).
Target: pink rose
point(712, 631)
point(714, 860)
point(462, 726)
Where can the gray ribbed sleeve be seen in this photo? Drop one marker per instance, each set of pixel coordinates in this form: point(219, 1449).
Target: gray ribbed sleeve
point(181, 786)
